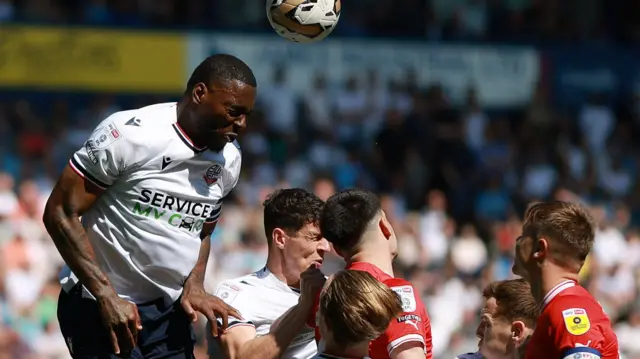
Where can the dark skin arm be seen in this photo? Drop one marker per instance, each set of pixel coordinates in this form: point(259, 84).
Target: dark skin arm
point(196, 299)
point(71, 197)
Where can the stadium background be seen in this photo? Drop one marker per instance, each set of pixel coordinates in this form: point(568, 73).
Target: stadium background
point(458, 112)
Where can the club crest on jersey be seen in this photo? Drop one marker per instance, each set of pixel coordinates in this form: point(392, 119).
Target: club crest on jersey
point(576, 320)
point(407, 297)
point(213, 174)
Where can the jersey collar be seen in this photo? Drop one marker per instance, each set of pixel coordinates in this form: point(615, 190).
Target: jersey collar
point(376, 272)
point(559, 288)
point(186, 140)
point(266, 273)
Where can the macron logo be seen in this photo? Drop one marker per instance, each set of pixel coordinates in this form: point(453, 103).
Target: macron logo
point(133, 122)
point(165, 162)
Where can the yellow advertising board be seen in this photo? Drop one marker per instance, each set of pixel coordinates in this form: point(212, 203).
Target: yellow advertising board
point(90, 59)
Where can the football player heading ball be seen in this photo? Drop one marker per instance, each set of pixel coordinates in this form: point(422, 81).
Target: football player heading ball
point(303, 20)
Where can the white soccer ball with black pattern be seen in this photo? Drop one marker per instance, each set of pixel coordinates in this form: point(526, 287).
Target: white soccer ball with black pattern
point(303, 20)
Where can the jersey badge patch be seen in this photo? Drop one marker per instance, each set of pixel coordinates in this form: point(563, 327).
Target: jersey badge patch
point(576, 320)
point(212, 174)
point(105, 136)
point(227, 293)
point(407, 297)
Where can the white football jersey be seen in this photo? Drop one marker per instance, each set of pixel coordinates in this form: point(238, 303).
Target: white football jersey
point(262, 298)
point(159, 190)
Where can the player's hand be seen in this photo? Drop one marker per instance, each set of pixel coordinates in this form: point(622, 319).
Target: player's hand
point(311, 282)
point(198, 300)
point(122, 320)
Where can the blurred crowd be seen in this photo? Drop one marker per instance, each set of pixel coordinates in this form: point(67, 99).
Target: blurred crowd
point(454, 180)
point(454, 183)
point(450, 20)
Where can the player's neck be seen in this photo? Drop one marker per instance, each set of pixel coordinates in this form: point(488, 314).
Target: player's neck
point(551, 277)
point(274, 265)
point(378, 259)
point(351, 352)
point(187, 124)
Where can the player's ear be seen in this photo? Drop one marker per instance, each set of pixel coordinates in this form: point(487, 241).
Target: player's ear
point(518, 332)
point(385, 226)
point(199, 91)
point(540, 248)
point(278, 238)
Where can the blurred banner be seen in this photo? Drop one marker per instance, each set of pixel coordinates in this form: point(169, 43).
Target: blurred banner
point(503, 76)
point(578, 71)
point(89, 59)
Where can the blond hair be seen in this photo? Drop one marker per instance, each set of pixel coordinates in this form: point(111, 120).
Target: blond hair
point(357, 308)
point(568, 226)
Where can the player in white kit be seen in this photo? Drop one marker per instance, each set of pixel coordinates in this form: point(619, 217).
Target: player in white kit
point(149, 186)
point(296, 249)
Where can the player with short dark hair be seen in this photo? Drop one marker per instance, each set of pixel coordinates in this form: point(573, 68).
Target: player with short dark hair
point(354, 222)
point(556, 239)
point(149, 185)
point(507, 320)
point(296, 250)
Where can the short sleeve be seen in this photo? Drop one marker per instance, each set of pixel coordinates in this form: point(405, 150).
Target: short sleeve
point(236, 297)
point(102, 158)
point(572, 330)
point(214, 215)
point(410, 325)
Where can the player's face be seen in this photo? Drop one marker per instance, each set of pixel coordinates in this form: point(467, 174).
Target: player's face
point(495, 333)
point(222, 111)
point(524, 264)
point(303, 249)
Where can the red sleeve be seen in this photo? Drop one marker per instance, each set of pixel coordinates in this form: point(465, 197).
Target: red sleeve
point(313, 316)
point(413, 323)
point(572, 329)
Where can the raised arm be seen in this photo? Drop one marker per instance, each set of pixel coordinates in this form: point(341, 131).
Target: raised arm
point(240, 341)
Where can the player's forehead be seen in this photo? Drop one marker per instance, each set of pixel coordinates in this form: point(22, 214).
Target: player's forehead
point(311, 230)
point(234, 92)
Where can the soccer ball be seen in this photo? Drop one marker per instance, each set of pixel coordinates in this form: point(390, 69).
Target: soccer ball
point(303, 20)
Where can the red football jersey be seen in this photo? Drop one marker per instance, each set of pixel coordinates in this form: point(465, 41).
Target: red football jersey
point(572, 325)
point(411, 325)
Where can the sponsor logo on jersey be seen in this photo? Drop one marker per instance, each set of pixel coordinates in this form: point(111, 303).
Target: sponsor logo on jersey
point(405, 292)
point(407, 317)
point(212, 174)
point(176, 212)
point(576, 321)
point(90, 149)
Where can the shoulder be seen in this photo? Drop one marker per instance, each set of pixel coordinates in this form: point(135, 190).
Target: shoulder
point(238, 290)
point(574, 314)
point(141, 131)
point(232, 157)
point(411, 301)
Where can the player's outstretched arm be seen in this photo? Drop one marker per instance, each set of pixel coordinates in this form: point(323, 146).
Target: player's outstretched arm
point(240, 342)
point(196, 299)
point(72, 196)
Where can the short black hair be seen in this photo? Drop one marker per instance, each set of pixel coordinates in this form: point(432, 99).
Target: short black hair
point(290, 209)
point(221, 67)
point(346, 215)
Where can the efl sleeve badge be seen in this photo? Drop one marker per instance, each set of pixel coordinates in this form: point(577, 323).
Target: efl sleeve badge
point(576, 320)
